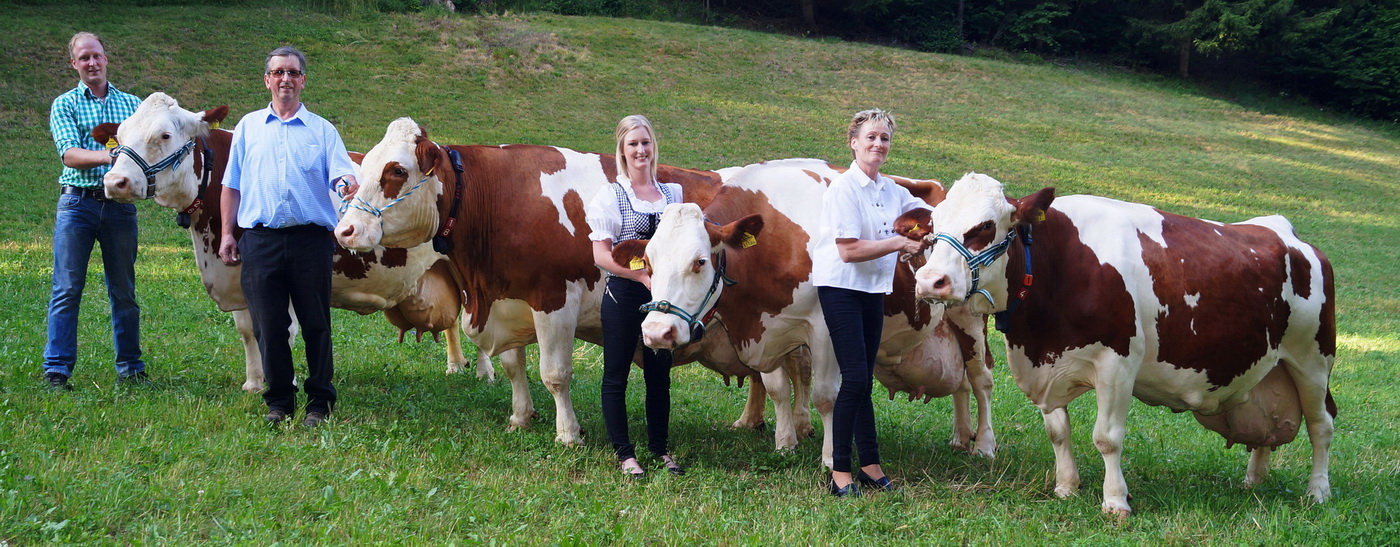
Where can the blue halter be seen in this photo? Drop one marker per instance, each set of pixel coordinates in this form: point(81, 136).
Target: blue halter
point(170, 162)
point(977, 261)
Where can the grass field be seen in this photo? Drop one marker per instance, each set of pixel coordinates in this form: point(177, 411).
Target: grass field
point(416, 457)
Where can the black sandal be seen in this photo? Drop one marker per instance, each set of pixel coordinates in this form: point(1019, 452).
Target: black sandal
point(634, 471)
point(671, 466)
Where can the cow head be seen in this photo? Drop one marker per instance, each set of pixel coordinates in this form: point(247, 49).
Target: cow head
point(685, 258)
point(151, 152)
point(397, 203)
point(969, 236)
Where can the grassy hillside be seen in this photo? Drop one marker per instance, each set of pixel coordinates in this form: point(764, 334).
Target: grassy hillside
point(414, 456)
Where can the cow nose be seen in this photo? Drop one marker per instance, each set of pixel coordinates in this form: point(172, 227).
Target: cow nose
point(122, 184)
point(942, 287)
point(347, 232)
point(934, 288)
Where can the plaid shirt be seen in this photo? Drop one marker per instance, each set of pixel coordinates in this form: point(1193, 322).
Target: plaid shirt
point(71, 120)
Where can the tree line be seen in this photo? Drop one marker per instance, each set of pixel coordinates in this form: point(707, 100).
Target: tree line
point(1341, 53)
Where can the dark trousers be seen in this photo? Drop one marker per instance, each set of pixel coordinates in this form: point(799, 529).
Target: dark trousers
point(855, 320)
point(291, 265)
point(622, 332)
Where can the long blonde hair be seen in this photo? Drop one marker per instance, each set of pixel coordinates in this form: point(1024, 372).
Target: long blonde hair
point(626, 125)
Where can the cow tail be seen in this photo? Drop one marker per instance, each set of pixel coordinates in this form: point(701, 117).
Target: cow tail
point(1331, 404)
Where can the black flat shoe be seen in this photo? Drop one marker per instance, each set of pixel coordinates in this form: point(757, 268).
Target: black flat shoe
point(671, 466)
point(634, 472)
point(850, 491)
point(882, 483)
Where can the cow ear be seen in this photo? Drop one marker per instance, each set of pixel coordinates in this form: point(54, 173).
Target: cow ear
point(357, 157)
point(215, 116)
point(631, 254)
point(742, 233)
point(426, 152)
point(104, 133)
point(914, 224)
point(1031, 209)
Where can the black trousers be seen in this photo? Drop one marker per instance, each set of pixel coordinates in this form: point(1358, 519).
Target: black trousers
point(622, 332)
point(855, 320)
point(291, 265)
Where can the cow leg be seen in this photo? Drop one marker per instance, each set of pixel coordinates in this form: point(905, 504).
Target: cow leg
point(522, 408)
point(456, 360)
point(252, 356)
point(798, 365)
point(963, 434)
point(484, 370)
point(1066, 473)
point(1258, 469)
point(826, 379)
point(1313, 393)
point(979, 375)
point(780, 391)
point(1114, 398)
point(556, 342)
point(752, 418)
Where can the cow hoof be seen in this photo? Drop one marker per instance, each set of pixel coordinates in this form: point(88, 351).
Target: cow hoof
point(1064, 491)
point(567, 439)
point(252, 387)
point(806, 433)
point(989, 453)
point(1320, 493)
point(1122, 511)
point(744, 424)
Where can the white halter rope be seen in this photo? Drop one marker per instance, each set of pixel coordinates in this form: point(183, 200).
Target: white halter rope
point(379, 211)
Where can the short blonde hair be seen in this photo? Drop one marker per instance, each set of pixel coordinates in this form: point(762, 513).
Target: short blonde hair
point(73, 42)
point(872, 115)
point(625, 126)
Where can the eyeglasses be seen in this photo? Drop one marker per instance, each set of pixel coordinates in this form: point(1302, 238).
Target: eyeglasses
point(280, 73)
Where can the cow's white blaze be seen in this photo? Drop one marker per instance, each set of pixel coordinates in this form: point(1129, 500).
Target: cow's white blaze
point(973, 199)
point(682, 273)
point(157, 129)
point(407, 223)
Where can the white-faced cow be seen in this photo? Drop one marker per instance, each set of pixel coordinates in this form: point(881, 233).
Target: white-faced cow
point(512, 219)
point(160, 152)
point(744, 262)
point(1234, 322)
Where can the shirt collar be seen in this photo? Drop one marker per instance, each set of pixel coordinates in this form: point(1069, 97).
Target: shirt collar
point(864, 180)
point(272, 115)
point(87, 91)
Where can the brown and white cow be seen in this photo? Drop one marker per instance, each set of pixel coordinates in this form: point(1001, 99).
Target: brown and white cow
point(1234, 322)
point(744, 262)
point(365, 283)
point(519, 243)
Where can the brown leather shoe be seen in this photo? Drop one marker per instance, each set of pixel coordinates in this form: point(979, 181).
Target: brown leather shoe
point(277, 416)
point(313, 419)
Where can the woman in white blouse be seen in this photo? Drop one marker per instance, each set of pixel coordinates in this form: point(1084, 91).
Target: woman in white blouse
point(630, 208)
point(853, 269)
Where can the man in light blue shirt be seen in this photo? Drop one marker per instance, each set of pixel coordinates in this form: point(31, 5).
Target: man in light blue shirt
point(283, 163)
point(85, 216)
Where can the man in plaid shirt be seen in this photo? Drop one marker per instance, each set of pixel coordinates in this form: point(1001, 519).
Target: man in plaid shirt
point(85, 216)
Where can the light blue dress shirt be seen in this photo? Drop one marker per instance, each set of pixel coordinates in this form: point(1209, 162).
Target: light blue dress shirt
point(284, 170)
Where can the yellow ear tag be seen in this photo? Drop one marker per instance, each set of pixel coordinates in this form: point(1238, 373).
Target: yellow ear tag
point(1039, 215)
point(748, 241)
point(111, 143)
point(916, 227)
point(214, 125)
point(637, 264)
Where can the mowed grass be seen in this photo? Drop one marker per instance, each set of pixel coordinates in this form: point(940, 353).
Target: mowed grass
point(413, 456)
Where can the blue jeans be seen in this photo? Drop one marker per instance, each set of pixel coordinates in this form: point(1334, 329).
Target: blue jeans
point(79, 222)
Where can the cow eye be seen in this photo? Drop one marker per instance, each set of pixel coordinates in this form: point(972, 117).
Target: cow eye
point(165, 136)
point(401, 172)
point(698, 265)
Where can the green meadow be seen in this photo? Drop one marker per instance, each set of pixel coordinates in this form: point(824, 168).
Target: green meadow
point(414, 456)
